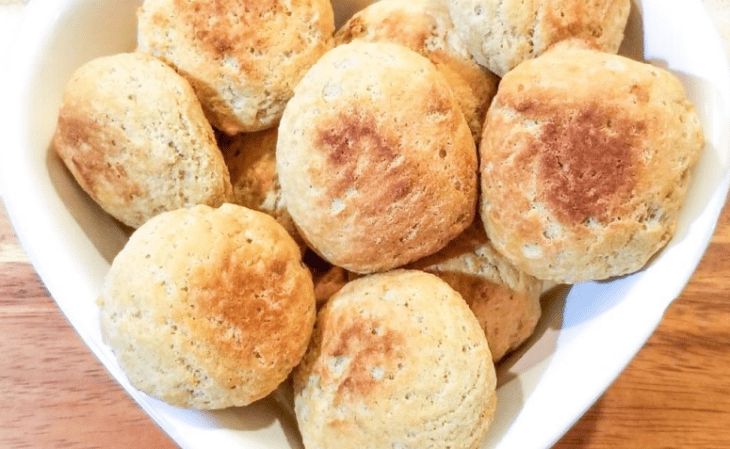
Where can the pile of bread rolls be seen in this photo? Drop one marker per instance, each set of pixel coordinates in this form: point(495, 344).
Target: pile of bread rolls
point(374, 210)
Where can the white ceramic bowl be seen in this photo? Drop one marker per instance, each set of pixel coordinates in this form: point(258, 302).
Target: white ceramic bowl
point(588, 333)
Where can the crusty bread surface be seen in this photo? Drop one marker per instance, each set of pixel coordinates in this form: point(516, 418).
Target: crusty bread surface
point(134, 136)
point(376, 162)
point(425, 27)
point(208, 308)
point(585, 161)
point(397, 359)
point(242, 58)
point(502, 33)
point(251, 162)
point(505, 300)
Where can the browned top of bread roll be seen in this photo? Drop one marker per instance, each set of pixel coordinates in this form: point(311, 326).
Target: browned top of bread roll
point(208, 308)
point(133, 134)
point(425, 27)
point(502, 33)
point(376, 162)
point(242, 58)
point(396, 360)
point(586, 158)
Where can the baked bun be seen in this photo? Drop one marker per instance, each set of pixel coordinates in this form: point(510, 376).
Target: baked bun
point(208, 308)
point(501, 34)
point(585, 162)
point(243, 58)
point(133, 135)
point(505, 300)
point(425, 27)
point(251, 161)
point(396, 360)
point(376, 162)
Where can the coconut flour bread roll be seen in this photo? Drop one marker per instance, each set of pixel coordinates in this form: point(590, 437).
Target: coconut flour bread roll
point(251, 161)
point(505, 300)
point(503, 33)
point(425, 27)
point(585, 162)
point(397, 360)
point(243, 58)
point(135, 138)
point(376, 162)
point(208, 308)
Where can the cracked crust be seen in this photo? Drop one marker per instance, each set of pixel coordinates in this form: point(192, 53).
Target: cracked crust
point(502, 33)
point(376, 162)
point(208, 308)
point(396, 360)
point(585, 162)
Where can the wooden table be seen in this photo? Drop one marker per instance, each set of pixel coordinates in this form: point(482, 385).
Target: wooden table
point(674, 394)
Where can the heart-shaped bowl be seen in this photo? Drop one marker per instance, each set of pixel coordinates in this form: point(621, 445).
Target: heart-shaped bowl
point(588, 332)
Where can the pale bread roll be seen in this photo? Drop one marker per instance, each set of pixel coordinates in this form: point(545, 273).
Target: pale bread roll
point(396, 360)
point(242, 58)
point(585, 160)
point(376, 162)
point(425, 27)
point(503, 33)
point(505, 300)
point(208, 308)
point(133, 135)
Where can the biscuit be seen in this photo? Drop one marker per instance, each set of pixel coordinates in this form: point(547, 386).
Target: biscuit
point(502, 33)
point(425, 27)
point(208, 308)
point(585, 161)
point(133, 135)
point(251, 161)
point(376, 162)
point(396, 360)
point(505, 300)
point(242, 58)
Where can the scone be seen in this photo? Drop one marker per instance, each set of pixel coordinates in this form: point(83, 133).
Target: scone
point(585, 162)
point(397, 360)
point(502, 33)
point(243, 58)
point(251, 161)
point(376, 162)
point(505, 300)
point(425, 27)
point(133, 135)
point(208, 308)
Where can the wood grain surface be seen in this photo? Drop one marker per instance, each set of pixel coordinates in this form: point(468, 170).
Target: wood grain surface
point(674, 394)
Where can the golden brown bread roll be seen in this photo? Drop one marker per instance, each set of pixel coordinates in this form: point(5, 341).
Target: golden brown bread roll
point(208, 308)
point(585, 161)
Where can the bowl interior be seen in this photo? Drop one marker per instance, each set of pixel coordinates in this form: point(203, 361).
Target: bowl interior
point(588, 334)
